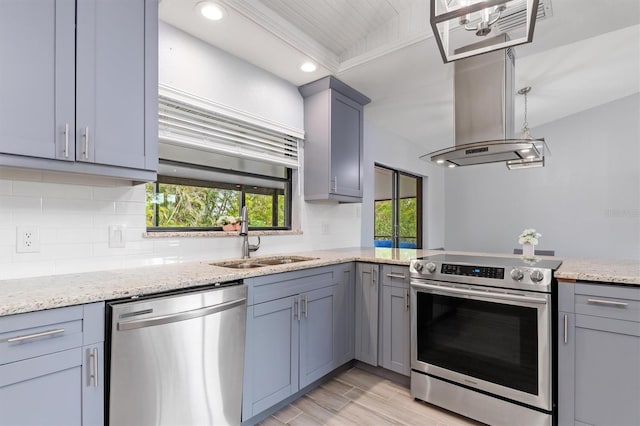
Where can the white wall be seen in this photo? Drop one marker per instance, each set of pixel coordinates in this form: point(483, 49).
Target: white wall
point(189, 64)
point(391, 150)
point(585, 201)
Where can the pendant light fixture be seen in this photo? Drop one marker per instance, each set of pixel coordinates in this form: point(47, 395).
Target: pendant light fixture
point(459, 26)
point(539, 144)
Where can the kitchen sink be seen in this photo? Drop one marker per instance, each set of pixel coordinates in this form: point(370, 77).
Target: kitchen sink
point(262, 262)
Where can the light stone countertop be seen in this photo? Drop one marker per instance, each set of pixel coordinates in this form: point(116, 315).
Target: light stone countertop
point(39, 293)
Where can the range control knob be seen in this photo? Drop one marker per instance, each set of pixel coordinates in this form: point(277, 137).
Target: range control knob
point(418, 266)
point(431, 267)
point(536, 276)
point(517, 274)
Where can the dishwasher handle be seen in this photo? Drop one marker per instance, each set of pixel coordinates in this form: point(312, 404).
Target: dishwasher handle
point(180, 316)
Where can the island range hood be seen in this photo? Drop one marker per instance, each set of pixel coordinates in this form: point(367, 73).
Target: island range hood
point(484, 116)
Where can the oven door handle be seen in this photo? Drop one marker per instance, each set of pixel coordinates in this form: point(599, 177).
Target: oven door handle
point(464, 291)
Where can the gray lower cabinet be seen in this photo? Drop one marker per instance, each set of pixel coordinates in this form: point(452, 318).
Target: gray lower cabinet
point(366, 321)
point(92, 67)
point(51, 365)
point(297, 332)
point(598, 355)
point(395, 320)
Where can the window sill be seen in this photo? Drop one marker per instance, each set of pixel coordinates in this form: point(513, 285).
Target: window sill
point(214, 234)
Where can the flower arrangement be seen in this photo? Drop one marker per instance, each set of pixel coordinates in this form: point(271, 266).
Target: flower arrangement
point(529, 236)
point(228, 220)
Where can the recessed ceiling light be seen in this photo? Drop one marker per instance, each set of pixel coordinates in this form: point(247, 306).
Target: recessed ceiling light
point(451, 166)
point(524, 151)
point(308, 67)
point(530, 157)
point(211, 10)
point(440, 161)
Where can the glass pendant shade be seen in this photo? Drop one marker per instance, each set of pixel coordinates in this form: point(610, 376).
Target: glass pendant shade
point(461, 27)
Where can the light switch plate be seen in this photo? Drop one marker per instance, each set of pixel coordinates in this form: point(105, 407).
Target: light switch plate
point(116, 236)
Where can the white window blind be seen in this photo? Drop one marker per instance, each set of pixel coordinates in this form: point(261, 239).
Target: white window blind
point(192, 125)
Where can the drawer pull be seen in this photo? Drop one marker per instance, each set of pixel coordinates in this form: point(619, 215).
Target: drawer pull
point(607, 303)
point(94, 357)
point(35, 335)
point(566, 329)
point(401, 276)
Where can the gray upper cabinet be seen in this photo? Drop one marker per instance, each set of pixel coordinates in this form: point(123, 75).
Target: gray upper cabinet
point(598, 355)
point(37, 95)
point(333, 149)
point(80, 85)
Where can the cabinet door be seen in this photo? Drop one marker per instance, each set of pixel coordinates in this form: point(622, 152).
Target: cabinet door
point(37, 88)
point(566, 370)
point(366, 339)
point(42, 390)
point(396, 330)
point(111, 82)
point(345, 330)
point(607, 371)
point(271, 354)
point(318, 340)
point(93, 385)
point(346, 146)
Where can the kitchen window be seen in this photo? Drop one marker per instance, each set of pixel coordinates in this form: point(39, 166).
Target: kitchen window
point(398, 209)
point(189, 197)
point(215, 160)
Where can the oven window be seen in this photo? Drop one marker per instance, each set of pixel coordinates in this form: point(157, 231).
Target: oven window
point(491, 341)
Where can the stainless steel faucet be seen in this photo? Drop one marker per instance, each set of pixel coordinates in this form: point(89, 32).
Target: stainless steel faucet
point(244, 233)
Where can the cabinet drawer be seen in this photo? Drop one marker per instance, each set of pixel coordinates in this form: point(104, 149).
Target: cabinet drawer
point(608, 301)
point(395, 275)
point(608, 307)
point(276, 286)
point(32, 334)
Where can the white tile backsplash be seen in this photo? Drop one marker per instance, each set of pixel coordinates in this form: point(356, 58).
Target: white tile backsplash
point(73, 214)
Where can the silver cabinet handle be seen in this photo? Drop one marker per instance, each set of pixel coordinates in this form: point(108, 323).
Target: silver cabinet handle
point(335, 184)
point(66, 140)
point(94, 357)
point(181, 316)
point(406, 300)
point(298, 307)
point(607, 303)
point(296, 313)
point(86, 143)
point(401, 276)
point(27, 337)
point(490, 294)
point(566, 328)
point(306, 306)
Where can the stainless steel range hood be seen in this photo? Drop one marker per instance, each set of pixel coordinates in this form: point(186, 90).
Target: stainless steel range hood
point(484, 115)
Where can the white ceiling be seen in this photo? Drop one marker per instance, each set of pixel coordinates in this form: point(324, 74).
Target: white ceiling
point(585, 54)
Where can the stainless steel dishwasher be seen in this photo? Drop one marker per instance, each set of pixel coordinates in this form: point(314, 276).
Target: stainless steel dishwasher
point(177, 359)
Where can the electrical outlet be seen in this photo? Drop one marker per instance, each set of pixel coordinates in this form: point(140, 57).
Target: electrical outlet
point(27, 239)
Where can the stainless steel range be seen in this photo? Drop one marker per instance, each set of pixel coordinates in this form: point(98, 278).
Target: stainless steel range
point(482, 337)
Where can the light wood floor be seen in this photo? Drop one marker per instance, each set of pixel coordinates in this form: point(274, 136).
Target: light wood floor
point(357, 397)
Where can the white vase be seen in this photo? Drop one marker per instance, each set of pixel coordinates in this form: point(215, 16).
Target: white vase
point(528, 250)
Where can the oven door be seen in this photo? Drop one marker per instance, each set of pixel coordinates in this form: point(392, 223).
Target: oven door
point(494, 340)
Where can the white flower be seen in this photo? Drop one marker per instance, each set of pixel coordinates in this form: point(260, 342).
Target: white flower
point(529, 236)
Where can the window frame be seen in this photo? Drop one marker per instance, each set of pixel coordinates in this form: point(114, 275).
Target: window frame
point(395, 205)
point(242, 188)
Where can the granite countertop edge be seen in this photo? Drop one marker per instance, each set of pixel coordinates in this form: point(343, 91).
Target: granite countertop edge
point(55, 291)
